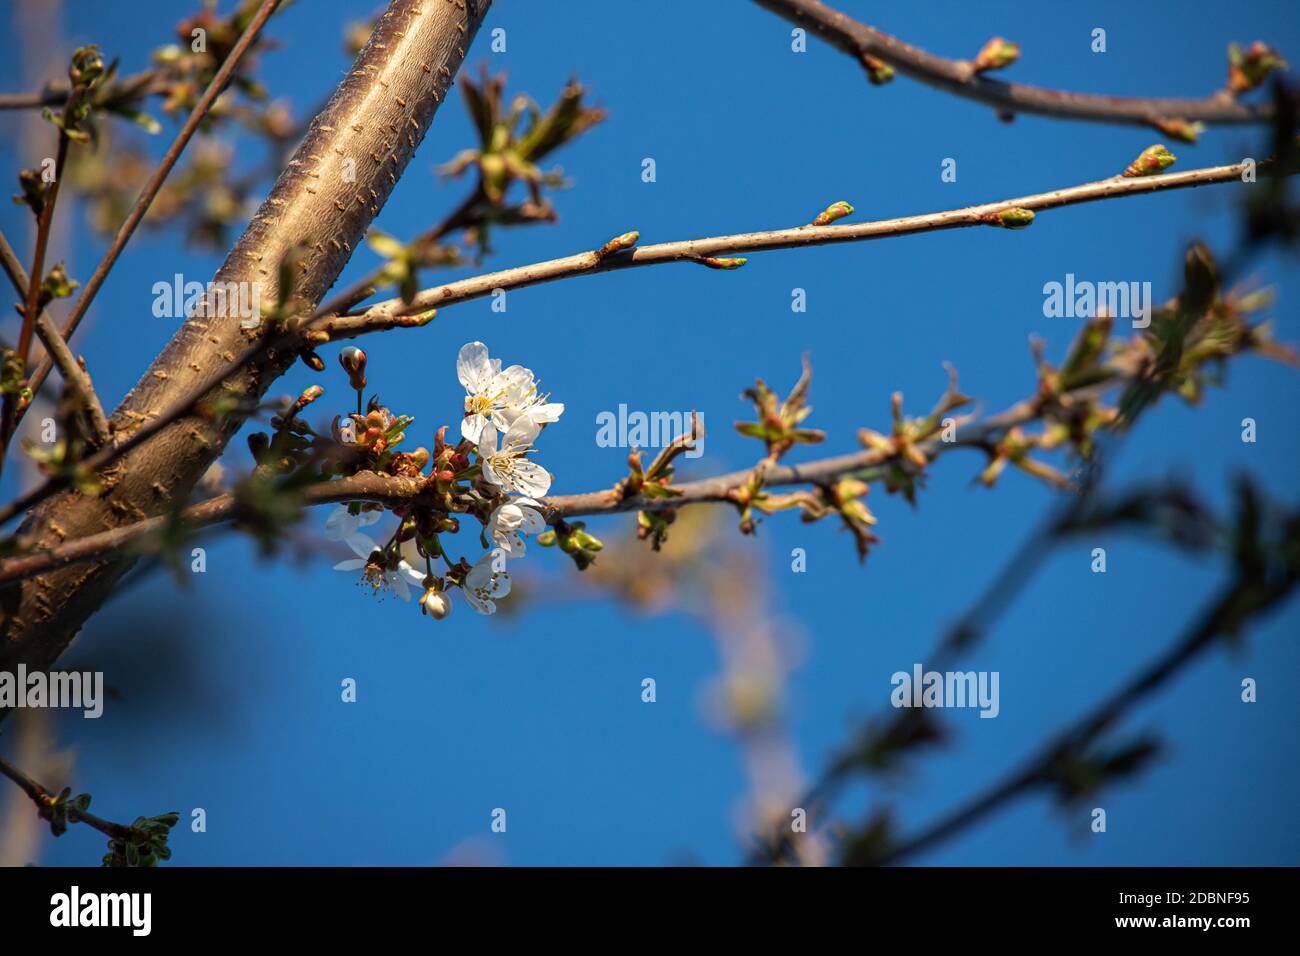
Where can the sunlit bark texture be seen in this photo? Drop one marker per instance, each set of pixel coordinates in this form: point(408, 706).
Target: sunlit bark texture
point(320, 208)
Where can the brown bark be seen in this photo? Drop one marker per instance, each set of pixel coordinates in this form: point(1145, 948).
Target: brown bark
point(376, 118)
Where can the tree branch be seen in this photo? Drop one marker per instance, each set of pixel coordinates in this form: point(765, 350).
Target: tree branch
point(155, 182)
point(394, 313)
point(77, 378)
point(317, 211)
point(45, 800)
point(396, 491)
point(57, 94)
point(1245, 596)
point(381, 315)
point(955, 76)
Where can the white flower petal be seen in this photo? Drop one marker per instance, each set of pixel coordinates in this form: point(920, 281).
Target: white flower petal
point(529, 478)
point(473, 367)
point(471, 427)
point(487, 441)
point(340, 524)
point(483, 607)
point(515, 382)
point(520, 435)
point(532, 520)
point(550, 412)
point(362, 545)
point(352, 564)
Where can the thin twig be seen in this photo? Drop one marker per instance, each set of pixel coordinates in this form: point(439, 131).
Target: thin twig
point(57, 94)
point(955, 76)
point(590, 263)
point(76, 377)
point(43, 799)
point(997, 598)
point(1254, 594)
point(155, 182)
point(11, 413)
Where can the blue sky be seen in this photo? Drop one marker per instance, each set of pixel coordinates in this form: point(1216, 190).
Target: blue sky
point(230, 688)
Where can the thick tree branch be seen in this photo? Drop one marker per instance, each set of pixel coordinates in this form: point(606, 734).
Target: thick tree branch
point(381, 315)
point(955, 76)
point(319, 210)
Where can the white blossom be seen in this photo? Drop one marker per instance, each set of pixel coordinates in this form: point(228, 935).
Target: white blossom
point(398, 580)
point(507, 467)
point(510, 521)
point(496, 396)
point(342, 524)
point(487, 581)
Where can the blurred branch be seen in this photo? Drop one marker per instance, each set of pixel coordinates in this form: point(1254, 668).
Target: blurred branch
point(142, 843)
point(155, 182)
point(865, 44)
point(76, 377)
point(1248, 595)
point(57, 94)
point(45, 800)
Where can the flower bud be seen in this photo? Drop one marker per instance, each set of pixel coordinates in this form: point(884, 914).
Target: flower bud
point(847, 489)
point(1247, 69)
point(1016, 218)
point(878, 71)
point(618, 244)
point(836, 210)
point(587, 542)
point(725, 262)
point(996, 54)
point(1180, 130)
point(87, 66)
point(1152, 160)
point(436, 604)
point(353, 361)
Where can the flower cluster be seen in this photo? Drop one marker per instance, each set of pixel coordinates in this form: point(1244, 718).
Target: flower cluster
point(488, 475)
